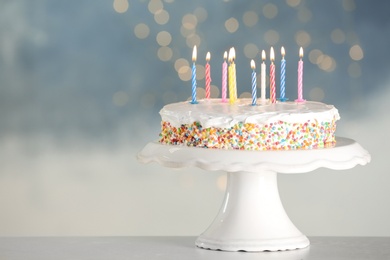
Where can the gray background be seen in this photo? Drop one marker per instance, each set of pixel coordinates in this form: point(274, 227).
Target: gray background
point(81, 84)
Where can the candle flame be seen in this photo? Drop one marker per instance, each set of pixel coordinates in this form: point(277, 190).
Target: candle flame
point(253, 65)
point(194, 54)
point(208, 56)
point(232, 54)
point(283, 52)
point(272, 54)
point(225, 55)
point(301, 53)
point(263, 55)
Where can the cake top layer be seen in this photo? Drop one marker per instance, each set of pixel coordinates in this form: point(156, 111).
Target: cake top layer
point(215, 113)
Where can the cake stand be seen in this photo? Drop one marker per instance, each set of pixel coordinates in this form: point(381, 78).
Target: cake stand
point(252, 217)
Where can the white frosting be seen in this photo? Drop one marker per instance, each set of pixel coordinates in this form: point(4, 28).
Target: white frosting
point(214, 113)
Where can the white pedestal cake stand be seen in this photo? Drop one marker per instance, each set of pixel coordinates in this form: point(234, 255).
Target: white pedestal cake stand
point(252, 217)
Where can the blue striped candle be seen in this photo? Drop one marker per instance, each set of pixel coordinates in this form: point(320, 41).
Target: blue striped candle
point(254, 83)
point(283, 77)
point(193, 78)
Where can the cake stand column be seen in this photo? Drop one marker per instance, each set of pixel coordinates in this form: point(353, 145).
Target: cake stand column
point(252, 217)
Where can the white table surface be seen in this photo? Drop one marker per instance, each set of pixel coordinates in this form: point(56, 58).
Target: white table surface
point(182, 248)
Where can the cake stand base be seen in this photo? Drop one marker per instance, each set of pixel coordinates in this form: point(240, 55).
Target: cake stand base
point(252, 217)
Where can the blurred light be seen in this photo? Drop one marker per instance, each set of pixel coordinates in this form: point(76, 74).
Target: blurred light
point(141, 31)
point(179, 63)
point(304, 15)
point(200, 93)
point(189, 21)
point(271, 37)
point(120, 98)
point(270, 11)
point(221, 182)
point(184, 73)
point(199, 72)
point(314, 56)
point(161, 17)
point(356, 52)
point(120, 6)
point(354, 70)
point(302, 38)
point(250, 18)
point(231, 25)
point(293, 3)
point(337, 36)
point(155, 5)
point(349, 5)
point(326, 63)
point(214, 91)
point(317, 94)
point(251, 50)
point(192, 40)
point(163, 38)
point(164, 53)
point(246, 95)
point(201, 14)
point(186, 32)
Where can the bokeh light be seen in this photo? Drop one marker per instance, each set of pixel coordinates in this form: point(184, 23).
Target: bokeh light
point(356, 52)
point(161, 17)
point(302, 38)
point(251, 50)
point(201, 14)
point(271, 37)
point(164, 53)
point(250, 18)
point(293, 3)
point(121, 6)
point(141, 31)
point(270, 11)
point(349, 5)
point(155, 5)
point(231, 25)
point(338, 36)
point(317, 94)
point(304, 15)
point(163, 38)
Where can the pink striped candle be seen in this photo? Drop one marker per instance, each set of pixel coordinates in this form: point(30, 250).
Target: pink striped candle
point(300, 77)
point(207, 75)
point(224, 77)
point(272, 77)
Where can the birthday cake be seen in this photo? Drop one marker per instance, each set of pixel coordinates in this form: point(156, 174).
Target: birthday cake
point(267, 126)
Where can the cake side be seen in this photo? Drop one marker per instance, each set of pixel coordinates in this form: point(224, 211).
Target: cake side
point(280, 126)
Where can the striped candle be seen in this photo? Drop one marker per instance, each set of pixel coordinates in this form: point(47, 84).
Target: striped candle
point(193, 77)
point(254, 83)
point(224, 77)
point(300, 77)
point(272, 77)
point(232, 77)
point(207, 75)
point(283, 77)
point(262, 79)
